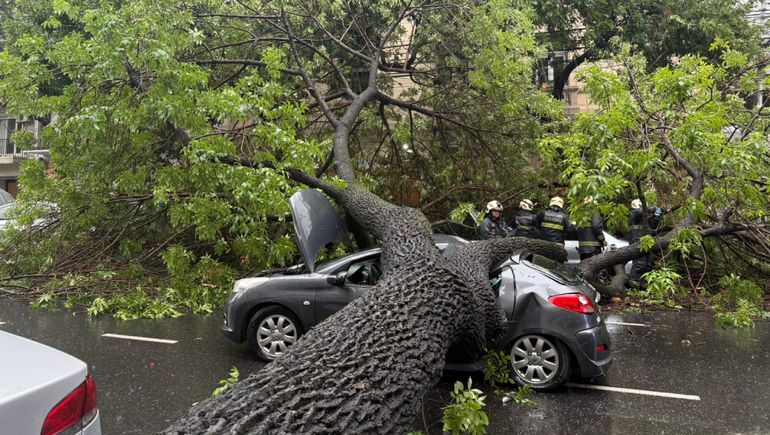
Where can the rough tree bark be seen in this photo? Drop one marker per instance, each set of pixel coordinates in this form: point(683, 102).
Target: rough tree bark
point(366, 368)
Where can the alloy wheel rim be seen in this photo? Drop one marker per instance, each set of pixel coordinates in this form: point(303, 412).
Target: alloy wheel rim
point(275, 334)
point(535, 359)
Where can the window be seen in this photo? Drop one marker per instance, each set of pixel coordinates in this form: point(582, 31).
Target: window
point(548, 68)
point(7, 126)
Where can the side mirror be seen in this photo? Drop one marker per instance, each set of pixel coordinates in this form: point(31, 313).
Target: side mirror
point(338, 279)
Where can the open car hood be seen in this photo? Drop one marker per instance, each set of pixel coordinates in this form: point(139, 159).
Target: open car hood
point(316, 224)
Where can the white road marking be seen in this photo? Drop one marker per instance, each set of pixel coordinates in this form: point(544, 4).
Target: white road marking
point(633, 391)
point(627, 324)
point(133, 337)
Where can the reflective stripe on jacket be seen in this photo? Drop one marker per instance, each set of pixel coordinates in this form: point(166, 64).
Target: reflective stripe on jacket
point(591, 237)
point(552, 223)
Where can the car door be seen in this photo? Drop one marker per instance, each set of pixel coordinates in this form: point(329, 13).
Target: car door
point(355, 280)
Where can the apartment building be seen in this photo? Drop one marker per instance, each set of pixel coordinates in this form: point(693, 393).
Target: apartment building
point(10, 155)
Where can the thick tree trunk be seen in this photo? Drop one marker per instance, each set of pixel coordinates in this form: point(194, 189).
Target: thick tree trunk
point(366, 368)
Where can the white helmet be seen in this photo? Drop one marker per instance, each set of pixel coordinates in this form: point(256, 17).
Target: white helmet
point(556, 200)
point(526, 204)
point(636, 204)
point(494, 205)
point(589, 200)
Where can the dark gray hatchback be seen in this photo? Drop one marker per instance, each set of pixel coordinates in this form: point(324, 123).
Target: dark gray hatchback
point(554, 327)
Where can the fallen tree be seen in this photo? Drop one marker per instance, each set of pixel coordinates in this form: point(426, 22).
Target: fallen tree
point(224, 140)
point(366, 368)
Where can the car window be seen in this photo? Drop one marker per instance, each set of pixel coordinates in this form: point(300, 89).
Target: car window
point(559, 269)
point(366, 272)
point(337, 264)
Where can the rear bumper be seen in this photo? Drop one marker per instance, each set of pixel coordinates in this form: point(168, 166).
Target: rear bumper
point(94, 427)
point(593, 362)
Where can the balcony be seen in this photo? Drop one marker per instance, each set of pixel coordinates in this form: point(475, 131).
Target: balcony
point(7, 149)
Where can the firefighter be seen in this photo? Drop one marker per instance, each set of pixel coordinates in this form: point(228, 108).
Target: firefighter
point(523, 224)
point(591, 237)
point(638, 227)
point(552, 223)
point(493, 225)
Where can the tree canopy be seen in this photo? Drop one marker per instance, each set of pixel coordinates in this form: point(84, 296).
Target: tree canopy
point(150, 104)
point(661, 31)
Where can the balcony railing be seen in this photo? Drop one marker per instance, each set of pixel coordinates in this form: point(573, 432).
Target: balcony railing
point(7, 149)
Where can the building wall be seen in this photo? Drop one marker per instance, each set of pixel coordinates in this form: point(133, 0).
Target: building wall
point(10, 156)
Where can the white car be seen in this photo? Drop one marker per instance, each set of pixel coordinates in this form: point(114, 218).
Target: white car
point(6, 215)
point(44, 391)
point(613, 243)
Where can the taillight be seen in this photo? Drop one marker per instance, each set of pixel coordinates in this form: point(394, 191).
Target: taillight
point(90, 408)
point(78, 408)
point(576, 302)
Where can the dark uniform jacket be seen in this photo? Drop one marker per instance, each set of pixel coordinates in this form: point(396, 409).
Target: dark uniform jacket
point(524, 224)
point(591, 238)
point(636, 227)
point(491, 228)
point(553, 224)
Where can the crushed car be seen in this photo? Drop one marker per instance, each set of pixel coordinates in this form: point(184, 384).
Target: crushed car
point(554, 327)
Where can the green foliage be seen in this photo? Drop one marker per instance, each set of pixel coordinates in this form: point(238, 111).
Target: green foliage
point(684, 137)
point(225, 384)
point(126, 190)
point(498, 368)
point(661, 283)
point(47, 301)
point(685, 241)
point(742, 317)
point(739, 302)
point(146, 128)
point(655, 28)
point(521, 396)
point(734, 289)
point(463, 210)
point(646, 243)
point(465, 414)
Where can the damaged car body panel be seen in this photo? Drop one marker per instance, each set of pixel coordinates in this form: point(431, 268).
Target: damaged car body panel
point(316, 224)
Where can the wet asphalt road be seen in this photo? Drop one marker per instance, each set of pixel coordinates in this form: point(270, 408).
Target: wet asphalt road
point(145, 386)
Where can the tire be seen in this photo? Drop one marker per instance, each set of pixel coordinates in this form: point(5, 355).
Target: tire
point(271, 331)
point(540, 362)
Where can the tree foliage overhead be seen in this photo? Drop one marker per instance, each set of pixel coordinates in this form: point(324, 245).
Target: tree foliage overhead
point(171, 127)
point(661, 31)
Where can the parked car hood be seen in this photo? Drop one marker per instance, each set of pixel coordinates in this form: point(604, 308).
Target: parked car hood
point(316, 224)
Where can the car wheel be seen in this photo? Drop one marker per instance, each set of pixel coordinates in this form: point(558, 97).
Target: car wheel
point(540, 362)
point(271, 331)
